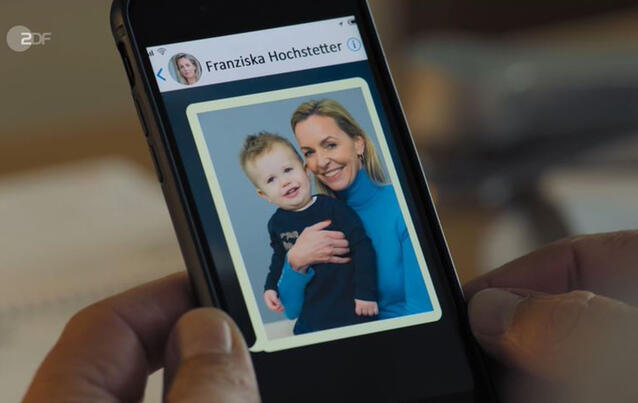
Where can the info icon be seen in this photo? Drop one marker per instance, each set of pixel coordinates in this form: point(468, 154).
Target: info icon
point(354, 44)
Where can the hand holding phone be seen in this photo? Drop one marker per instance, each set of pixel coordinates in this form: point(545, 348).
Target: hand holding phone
point(57, 380)
point(107, 350)
point(564, 318)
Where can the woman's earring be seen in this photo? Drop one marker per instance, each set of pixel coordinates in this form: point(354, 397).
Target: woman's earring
point(361, 158)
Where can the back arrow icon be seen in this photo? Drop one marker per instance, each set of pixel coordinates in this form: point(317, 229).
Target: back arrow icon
point(159, 74)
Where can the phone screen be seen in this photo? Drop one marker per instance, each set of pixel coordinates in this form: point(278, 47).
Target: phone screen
point(286, 128)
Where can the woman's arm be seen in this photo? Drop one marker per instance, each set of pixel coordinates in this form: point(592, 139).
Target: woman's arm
point(417, 299)
point(363, 255)
point(292, 285)
point(314, 245)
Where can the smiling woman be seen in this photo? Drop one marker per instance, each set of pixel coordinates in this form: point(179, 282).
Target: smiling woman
point(323, 266)
point(345, 164)
point(334, 145)
point(185, 68)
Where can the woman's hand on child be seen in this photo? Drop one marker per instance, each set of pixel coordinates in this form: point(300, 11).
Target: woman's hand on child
point(365, 308)
point(272, 301)
point(317, 245)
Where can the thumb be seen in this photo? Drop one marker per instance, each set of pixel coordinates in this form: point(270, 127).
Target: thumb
point(207, 360)
point(579, 337)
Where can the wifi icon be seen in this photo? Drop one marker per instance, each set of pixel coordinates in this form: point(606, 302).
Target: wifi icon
point(161, 51)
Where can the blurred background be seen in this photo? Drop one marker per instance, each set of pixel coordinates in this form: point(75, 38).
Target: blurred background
point(525, 115)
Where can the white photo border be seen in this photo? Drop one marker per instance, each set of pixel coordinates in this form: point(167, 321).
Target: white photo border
point(262, 342)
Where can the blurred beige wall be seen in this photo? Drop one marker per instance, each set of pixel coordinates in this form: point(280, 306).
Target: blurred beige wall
point(67, 99)
point(72, 82)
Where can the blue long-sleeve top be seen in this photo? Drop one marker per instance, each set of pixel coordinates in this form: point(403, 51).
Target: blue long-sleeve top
point(400, 285)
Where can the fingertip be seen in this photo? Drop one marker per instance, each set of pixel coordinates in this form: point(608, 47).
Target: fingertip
point(210, 359)
point(204, 329)
point(490, 312)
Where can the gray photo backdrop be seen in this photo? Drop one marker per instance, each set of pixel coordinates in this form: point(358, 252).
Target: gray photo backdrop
point(224, 131)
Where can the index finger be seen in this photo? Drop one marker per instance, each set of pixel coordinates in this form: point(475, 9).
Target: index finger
point(107, 350)
point(606, 264)
point(334, 234)
point(320, 225)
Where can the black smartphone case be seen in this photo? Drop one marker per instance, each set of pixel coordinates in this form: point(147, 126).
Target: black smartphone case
point(197, 258)
point(181, 211)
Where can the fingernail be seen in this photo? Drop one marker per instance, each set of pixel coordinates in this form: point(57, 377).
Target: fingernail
point(567, 312)
point(208, 332)
point(491, 311)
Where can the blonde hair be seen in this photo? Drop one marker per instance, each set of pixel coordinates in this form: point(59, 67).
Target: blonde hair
point(194, 62)
point(258, 144)
point(345, 121)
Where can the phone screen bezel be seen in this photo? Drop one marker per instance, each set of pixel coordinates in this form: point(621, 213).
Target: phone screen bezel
point(196, 22)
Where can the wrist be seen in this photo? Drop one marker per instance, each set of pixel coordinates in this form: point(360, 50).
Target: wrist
point(292, 261)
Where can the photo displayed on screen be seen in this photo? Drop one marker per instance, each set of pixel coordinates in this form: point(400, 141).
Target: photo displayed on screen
point(286, 141)
point(284, 164)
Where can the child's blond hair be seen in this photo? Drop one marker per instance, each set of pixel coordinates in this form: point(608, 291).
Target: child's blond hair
point(256, 145)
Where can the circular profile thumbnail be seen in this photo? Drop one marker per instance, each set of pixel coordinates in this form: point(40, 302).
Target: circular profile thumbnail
point(185, 68)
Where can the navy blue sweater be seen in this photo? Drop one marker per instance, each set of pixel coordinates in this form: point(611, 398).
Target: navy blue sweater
point(329, 296)
point(401, 289)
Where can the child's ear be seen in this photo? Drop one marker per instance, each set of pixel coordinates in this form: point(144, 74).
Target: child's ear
point(263, 195)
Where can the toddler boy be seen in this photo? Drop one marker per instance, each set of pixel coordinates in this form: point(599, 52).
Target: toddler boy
point(336, 291)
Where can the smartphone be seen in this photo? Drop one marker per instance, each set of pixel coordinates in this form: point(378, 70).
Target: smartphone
point(270, 120)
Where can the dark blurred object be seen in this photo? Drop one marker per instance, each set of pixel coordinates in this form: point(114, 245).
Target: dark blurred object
point(501, 16)
point(504, 98)
point(512, 94)
point(520, 110)
point(500, 93)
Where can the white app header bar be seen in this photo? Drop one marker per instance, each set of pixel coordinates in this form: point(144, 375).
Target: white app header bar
point(235, 57)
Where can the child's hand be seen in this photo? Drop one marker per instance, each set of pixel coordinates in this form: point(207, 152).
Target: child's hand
point(365, 308)
point(272, 301)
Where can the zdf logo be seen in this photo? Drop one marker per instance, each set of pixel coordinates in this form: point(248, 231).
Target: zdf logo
point(20, 38)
